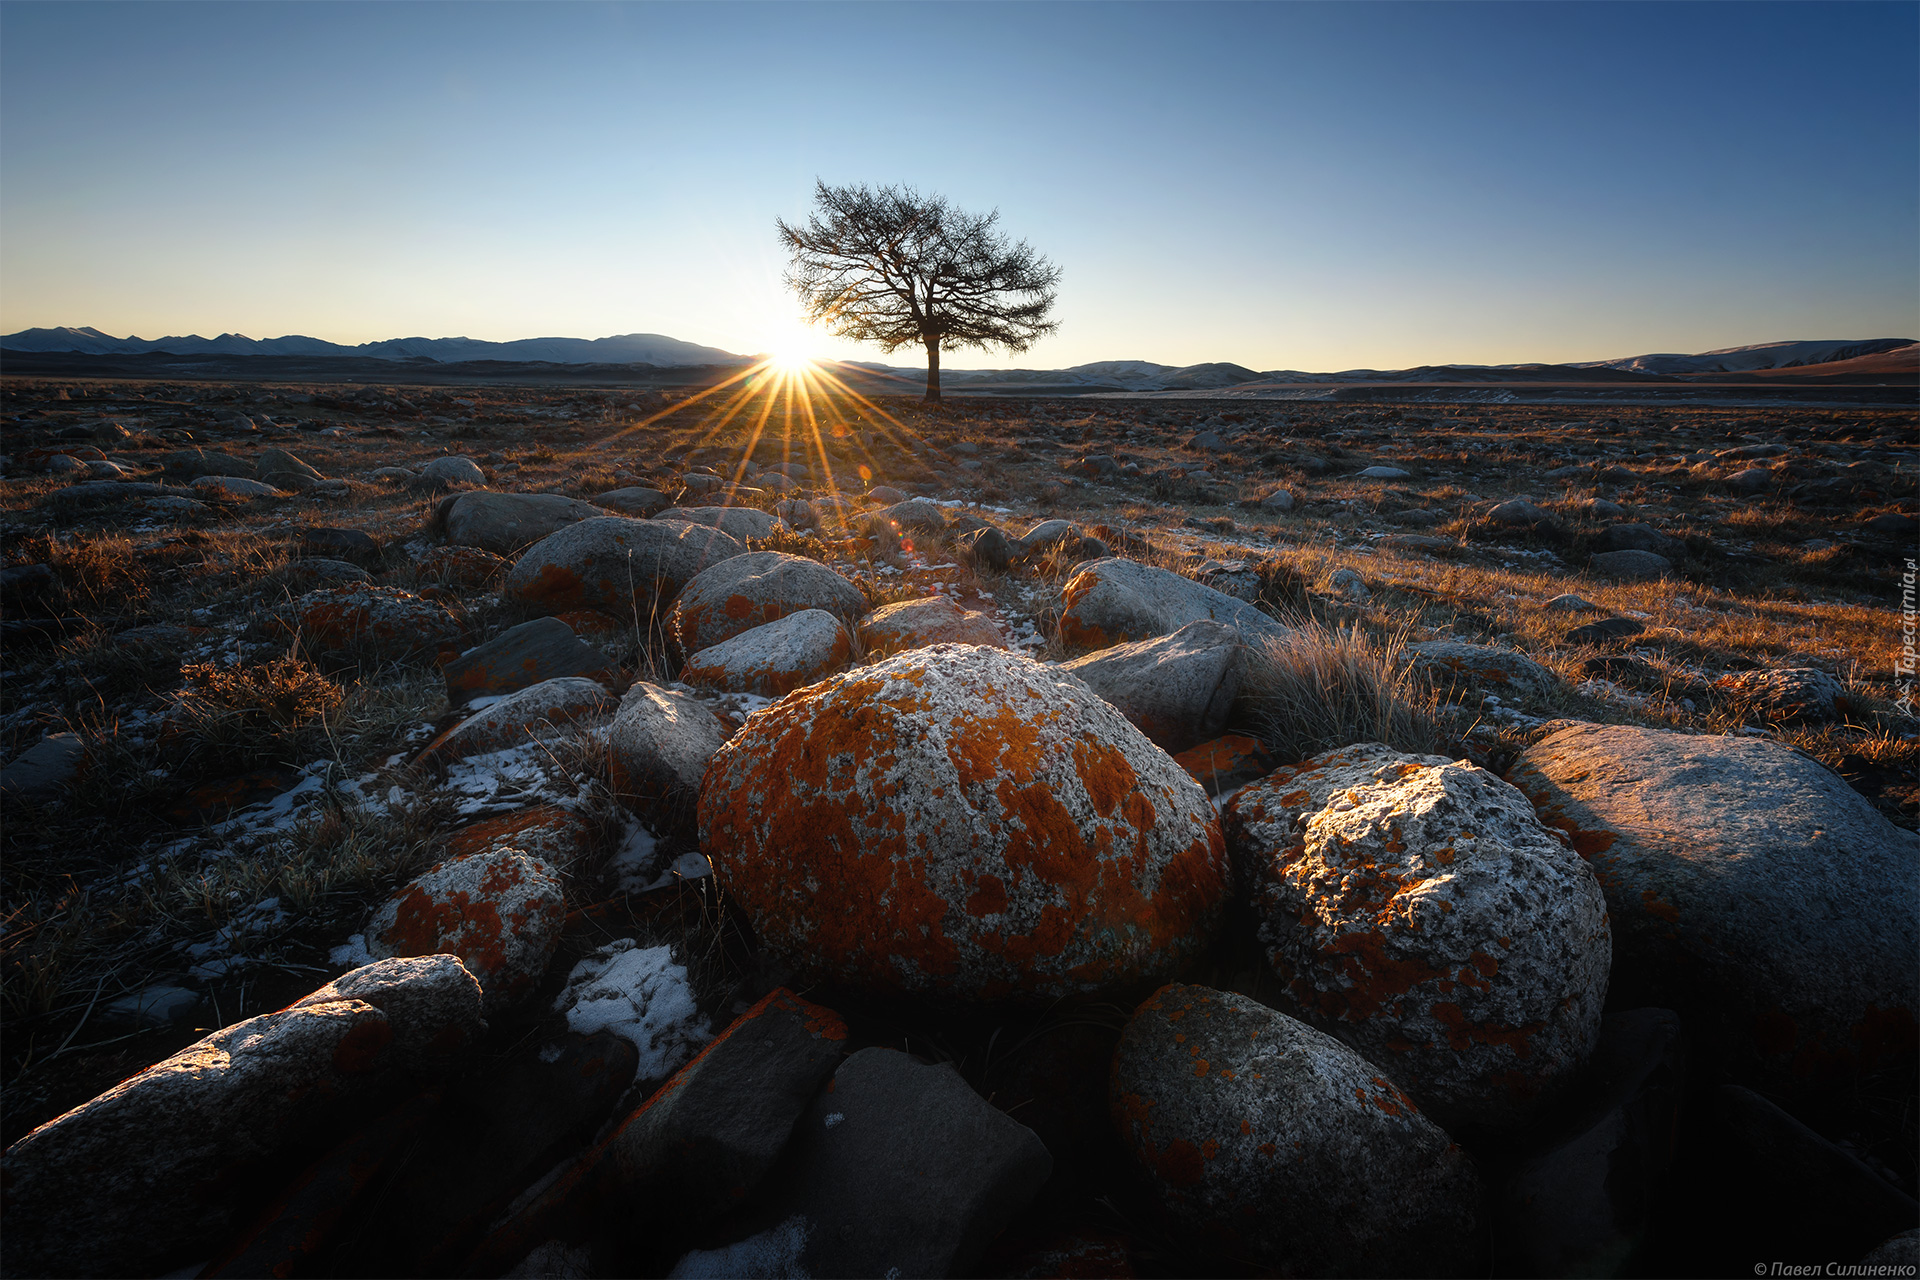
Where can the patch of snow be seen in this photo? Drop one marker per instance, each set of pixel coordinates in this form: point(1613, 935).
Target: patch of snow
point(634, 860)
point(688, 866)
point(352, 953)
point(640, 995)
point(774, 1252)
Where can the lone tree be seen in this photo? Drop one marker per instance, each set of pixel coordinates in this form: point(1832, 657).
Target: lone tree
point(890, 266)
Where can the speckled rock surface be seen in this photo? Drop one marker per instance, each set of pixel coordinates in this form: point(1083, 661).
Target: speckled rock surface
point(774, 659)
point(1115, 600)
point(1787, 695)
point(548, 832)
point(752, 590)
point(143, 1177)
point(915, 624)
point(1272, 1142)
point(525, 713)
point(378, 622)
point(1176, 689)
point(499, 912)
point(960, 820)
point(615, 564)
point(737, 522)
point(658, 749)
point(503, 523)
point(1418, 909)
point(432, 1003)
point(1751, 889)
point(1455, 662)
point(915, 515)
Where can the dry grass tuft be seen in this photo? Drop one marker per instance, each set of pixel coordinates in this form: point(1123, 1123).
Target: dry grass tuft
point(239, 714)
point(1331, 686)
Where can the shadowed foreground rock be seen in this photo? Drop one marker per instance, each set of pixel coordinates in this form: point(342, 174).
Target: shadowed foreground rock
point(896, 1168)
point(147, 1173)
point(1751, 890)
point(1271, 1142)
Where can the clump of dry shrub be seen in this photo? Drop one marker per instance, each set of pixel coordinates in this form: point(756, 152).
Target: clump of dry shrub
point(1325, 687)
point(236, 714)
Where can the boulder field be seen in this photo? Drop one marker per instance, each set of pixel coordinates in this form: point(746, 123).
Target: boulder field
point(1366, 1013)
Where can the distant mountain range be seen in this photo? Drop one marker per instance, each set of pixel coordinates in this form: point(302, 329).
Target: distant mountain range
point(626, 348)
point(1861, 358)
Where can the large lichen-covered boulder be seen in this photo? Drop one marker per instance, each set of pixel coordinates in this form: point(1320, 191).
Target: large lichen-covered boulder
point(962, 821)
point(1115, 600)
point(503, 523)
point(500, 912)
point(149, 1175)
point(621, 566)
point(1272, 1143)
point(773, 659)
point(1419, 910)
point(751, 590)
point(1751, 889)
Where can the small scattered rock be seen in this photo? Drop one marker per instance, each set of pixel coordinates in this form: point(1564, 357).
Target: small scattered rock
point(528, 654)
point(638, 503)
point(44, 767)
point(1643, 537)
point(1177, 689)
point(747, 591)
point(1790, 695)
point(1449, 661)
point(658, 749)
point(499, 912)
point(529, 712)
point(1114, 600)
point(915, 624)
point(1518, 513)
point(504, 523)
point(1631, 566)
point(615, 564)
point(775, 658)
point(453, 473)
point(740, 523)
point(1568, 602)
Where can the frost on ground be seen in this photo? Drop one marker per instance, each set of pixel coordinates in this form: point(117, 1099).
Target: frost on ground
point(773, 1253)
point(641, 995)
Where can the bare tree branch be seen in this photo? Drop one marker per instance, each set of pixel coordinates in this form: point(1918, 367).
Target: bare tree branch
point(889, 266)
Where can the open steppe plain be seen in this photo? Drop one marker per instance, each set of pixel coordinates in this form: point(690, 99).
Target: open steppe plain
point(238, 792)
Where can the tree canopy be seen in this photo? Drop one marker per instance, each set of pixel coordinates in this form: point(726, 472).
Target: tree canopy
point(890, 266)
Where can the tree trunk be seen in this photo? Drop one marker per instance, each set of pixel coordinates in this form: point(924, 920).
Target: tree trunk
point(933, 371)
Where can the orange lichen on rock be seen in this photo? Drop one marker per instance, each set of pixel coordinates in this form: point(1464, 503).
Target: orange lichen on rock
point(1386, 883)
point(957, 820)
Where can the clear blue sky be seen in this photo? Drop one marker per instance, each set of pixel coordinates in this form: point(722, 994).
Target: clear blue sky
point(1312, 186)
